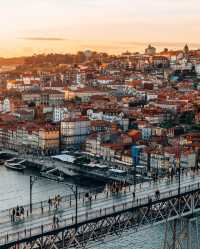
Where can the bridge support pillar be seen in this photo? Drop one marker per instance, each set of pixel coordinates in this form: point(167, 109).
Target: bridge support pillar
point(181, 234)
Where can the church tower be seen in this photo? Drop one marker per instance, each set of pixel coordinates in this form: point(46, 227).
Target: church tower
point(186, 49)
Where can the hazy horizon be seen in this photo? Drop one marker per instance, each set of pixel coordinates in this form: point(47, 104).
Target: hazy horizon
point(114, 49)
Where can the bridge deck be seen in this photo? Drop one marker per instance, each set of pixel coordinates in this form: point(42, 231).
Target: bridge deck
point(105, 203)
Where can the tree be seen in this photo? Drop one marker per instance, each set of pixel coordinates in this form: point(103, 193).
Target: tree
point(187, 118)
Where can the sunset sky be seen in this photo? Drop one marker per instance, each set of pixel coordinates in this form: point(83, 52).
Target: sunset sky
point(35, 26)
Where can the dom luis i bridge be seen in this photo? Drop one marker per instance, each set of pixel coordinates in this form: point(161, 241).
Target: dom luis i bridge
point(82, 219)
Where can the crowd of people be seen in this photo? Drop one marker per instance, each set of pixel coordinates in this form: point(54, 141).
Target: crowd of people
point(17, 214)
point(54, 202)
point(117, 187)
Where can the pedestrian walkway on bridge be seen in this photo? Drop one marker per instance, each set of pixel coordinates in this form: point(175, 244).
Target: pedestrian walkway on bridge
point(50, 215)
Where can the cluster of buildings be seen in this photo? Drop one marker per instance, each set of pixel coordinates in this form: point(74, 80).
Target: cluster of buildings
point(135, 110)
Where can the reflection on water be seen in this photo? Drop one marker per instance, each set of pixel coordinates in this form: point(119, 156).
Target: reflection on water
point(144, 239)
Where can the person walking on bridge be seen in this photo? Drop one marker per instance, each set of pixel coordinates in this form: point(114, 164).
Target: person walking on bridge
point(22, 211)
point(57, 222)
point(90, 199)
point(54, 221)
point(50, 203)
point(157, 194)
point(13, 215)
point(133, 196)
point(58, 199)
point(17, 212)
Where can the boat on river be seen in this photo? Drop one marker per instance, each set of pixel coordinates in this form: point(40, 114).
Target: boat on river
point(15, 164)
point(52, 174)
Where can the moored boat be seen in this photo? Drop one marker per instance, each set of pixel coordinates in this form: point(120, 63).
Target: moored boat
point(15, 166)
point(52, 174)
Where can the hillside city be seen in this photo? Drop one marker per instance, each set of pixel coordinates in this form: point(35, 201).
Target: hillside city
point(131, 110)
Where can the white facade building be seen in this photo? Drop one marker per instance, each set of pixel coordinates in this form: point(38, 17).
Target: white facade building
point(59, 113)
point(74, 131)
point(6, 105)
point(197, 69)
point(119, 119)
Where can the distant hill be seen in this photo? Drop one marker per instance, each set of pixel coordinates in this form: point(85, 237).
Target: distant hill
point(52, 59)
point(12, 61)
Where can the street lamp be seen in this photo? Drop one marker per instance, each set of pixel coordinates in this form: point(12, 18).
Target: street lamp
point(157, 158)
point(179, 176)
point(75, 192)
point(33, 179)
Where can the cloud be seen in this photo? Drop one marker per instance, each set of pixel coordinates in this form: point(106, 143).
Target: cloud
point(43, 38)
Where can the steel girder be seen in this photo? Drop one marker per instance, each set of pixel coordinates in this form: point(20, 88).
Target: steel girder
point(135, 218)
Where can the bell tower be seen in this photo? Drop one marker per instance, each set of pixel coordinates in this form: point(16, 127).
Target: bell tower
point(186, 49)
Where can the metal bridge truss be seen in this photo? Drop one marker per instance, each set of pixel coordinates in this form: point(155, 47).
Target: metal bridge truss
point(167, 210)
point(182, 233)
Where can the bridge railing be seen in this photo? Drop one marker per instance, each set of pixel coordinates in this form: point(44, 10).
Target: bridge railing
point(87, 216)
point(41, 207)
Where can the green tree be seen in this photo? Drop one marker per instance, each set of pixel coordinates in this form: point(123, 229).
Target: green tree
point(187, 118)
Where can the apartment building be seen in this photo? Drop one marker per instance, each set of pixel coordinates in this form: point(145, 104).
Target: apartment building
point(74, 131)
point(30, 137)
point(46, 97)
